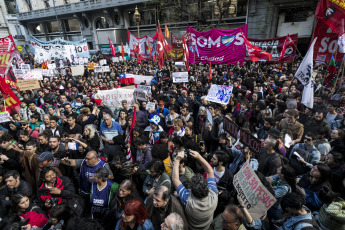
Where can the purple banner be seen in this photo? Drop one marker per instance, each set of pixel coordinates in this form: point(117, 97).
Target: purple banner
point(218, 46)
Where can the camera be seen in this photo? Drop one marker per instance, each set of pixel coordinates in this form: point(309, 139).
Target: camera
point(53, 201)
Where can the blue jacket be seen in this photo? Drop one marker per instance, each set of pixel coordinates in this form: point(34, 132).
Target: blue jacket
point(146, 226)
point(291, 222)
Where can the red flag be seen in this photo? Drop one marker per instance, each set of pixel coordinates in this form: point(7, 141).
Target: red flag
point(255, 52)
point(332, 13)
point(288, 41)
point(10, 98)
point(162, 45)
point(122, 51)
point(210, 71)
point(137, 54)
point(129, 155)
point(112, 47)
point(45, 65)
point(185, 53)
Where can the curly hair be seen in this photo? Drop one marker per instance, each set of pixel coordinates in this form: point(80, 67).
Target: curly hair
point(92, 130)
point(136, 208)
point(199, 186)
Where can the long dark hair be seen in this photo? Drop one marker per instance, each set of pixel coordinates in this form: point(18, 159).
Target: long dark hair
point(16, 198)
point(290, 176)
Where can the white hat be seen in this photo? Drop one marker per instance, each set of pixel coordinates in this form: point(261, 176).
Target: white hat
point(156, 119)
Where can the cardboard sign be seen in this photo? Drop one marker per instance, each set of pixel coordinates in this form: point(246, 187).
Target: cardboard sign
point(254, 196)
point(219, 94)
point(98, 69)
point(77, 70)
point(146, 88)
point(230, 127)
point(28, 84)
point(180, 77)
point(105, 68)
point(151, 106)
point(4, 117)
point(140, 94)
point(253, 143)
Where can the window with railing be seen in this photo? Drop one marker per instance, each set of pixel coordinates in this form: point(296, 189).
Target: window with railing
point(37, 28)
point(53, 27)
point(11, 6)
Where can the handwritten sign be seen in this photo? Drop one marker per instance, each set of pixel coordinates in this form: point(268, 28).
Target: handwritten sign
point(146, 88)
point(253, 143)
point(180, 77)
point(77, 70)
point(219, 94)
point(4, 117)
point(105, 68)
point(19, 73)
point(98, 69)
point(112, 98)
point(102, 62)
point(230, 127)
point(115, 59)
point(28, 84)
point(253, 194)
point(151, 106)
point(140, 94)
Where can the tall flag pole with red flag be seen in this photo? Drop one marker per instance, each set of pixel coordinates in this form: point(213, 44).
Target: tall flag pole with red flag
point(255, 53)
point(185, 53)
point(122, 51)
point(10, 98)
point(332, 13)
point(112, 47)
point(162, 45)
point(287, 42)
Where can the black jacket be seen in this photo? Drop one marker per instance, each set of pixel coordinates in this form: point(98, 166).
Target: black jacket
point(24, 188)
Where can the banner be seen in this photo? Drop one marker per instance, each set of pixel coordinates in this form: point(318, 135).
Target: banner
point(105, 69)
point(180, 77)
point(253, 143)
point(144, 43)
point(332, 13)
point(81, 48)
point(28, 84)
point(7, 45)
point(145, 88)
point(19, 73)
point(253, 194)
point(275, 46)
point(175, 54)
point(218, 46)
point(176, 42)
point(77, 70)
point(230, 127)
point(37, 73)
point(140, 94)
point(326, 44)
point(112, 98)
point(138, 79)
point(163, 75)
point(98, 69)
point(54, 53)
point(4, 117)
point(219, 94)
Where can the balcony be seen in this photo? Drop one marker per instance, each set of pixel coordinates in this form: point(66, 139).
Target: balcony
point(82, 6)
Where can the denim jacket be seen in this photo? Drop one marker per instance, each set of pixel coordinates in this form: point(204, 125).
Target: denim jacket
point(290, 222)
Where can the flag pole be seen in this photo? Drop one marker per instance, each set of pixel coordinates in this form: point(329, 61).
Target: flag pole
point(342, 75)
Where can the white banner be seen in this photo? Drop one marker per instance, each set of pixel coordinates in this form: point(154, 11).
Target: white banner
point(138, 79)
point(105, 69)
point(219, 94)
point(98, 69)
point(37, 73)
point(25, 66)
point(115, 59)
point(51, 53)
point(51, 66)
point(145, 43)
point(102, 62)
point(112, 98)
point(19, 73)
point(151, 106)
point(180, 77)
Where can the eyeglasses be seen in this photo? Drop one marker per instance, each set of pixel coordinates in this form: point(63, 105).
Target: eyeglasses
point(89, 159)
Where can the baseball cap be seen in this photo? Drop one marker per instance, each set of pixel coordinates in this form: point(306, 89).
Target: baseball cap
point(23, 121)
point(161, 103)
point(45, 156)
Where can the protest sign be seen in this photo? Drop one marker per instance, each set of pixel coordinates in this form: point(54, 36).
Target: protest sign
point(19, 73)
point(49, 72)
point(180, 77)
point(150, 106)
point(230, 127)
point(102, 62)
point(91, 65)
point(63, 72)
point(140, 94)
point(28, 84)
point(163, 75)
point(4, 117)
point(37, 73)
point(146, 88)
point(112, 98)
point(253, 143)
point(51, 66)
point(25, 66)
point(77, 70)
point(253, 195)
point(219, 94)
point(180, 65)
point(105, 68)
point(98, 69)
point(115, 59)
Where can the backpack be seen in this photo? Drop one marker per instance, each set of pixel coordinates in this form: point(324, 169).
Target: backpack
point(295, 164)
point(313, 222)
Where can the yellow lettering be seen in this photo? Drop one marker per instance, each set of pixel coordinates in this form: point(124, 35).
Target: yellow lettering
point(4, 58)
point(9, 101)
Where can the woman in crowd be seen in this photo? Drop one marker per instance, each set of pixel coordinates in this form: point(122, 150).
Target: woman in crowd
point(92, 138)
point(122, 119)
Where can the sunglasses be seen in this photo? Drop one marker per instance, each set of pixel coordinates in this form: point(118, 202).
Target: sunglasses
point(308, 139)
point(23, 124)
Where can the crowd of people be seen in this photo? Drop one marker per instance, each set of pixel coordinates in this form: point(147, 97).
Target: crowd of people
point(69, 162)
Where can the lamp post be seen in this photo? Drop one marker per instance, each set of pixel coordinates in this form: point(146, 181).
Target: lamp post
point(137, 18)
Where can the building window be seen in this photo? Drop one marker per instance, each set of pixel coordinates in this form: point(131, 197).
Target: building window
point(11, 6)
point(53, 27)
point(37, 28)
point(102, 23)
point(72, 25)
